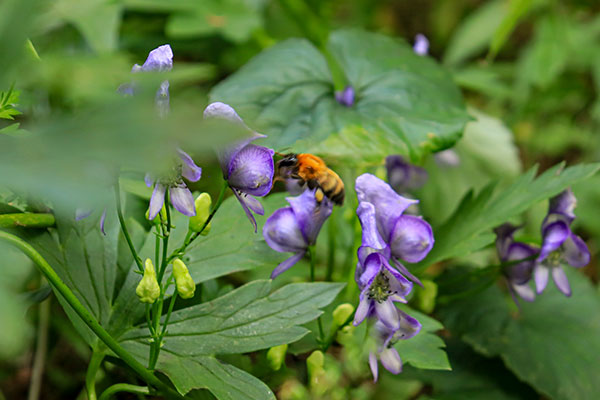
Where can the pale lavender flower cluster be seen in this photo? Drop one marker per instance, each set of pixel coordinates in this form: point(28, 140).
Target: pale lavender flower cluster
point(560, 246)
point(388, 236)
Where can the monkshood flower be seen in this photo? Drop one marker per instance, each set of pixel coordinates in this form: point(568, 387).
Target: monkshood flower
point(517, 275)
point(181, 197)
point(421, 45)
point(404, 176)
point(408, 237)
point(345, 97)
point(248, 168)
point(386, 338)
point(559, 245)
point(293, 229)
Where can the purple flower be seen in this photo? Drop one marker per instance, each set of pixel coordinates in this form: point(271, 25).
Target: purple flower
point(421, 45)
point(403, 176)
point(517, 275)
point(559, 245)
point(248, 168)
point(346, 96)
point(181, 197)
point(293, 229)
point(81, 213)
point(386, 338)
point(408, 237)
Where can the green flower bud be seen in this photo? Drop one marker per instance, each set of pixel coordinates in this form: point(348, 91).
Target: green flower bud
point(202, 203)
point(183, 280)
point(314, 363)
point(341, 314)
point(161, 216)
point(276, 356)
point(148, 289)
point(425, 298)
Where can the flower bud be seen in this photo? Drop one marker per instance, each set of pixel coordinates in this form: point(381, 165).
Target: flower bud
point(161, 216)
point(202, 205)
point(276, 356)
point(183, 280)
point(425, 299)
point(314, 363)
point(148, 289)
point(342, 314)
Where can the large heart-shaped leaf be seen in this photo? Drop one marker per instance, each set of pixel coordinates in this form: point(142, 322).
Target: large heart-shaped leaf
point(405, 103)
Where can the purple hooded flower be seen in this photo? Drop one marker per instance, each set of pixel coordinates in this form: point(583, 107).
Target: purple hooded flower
point(292, 229)
point(248, 168)
point(421, 45)
point(559, 245)
point(517, 275)
point(408, 237)
point(386, 338)
point(180, 196)
point(346, 96)
point(403, 176)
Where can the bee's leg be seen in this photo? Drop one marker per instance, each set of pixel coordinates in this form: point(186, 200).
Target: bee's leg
point(312, 183)
point(319, 195)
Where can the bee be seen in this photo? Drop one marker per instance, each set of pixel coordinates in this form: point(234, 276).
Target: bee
point(312, 171)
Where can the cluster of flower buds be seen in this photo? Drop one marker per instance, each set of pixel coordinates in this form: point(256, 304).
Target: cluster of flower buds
point(560, 246)
point(388, 236)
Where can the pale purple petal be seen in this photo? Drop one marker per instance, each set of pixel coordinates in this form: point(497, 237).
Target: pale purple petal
point(564, 204)
point(246, 210)
point(388, 314)
point(310, 215)
point(287, 264)
point(156, 201)
point(345, 97)
point(102, 220)
point(409, 326)
point(576, 252)
point(554, 234)
point(183, 200)
point(370, 234)
point(148, 180)
point(253, 204)
point(411, 239)
point(389, 205)
point(162, 99)
point(540, 273)
point(391, 360)
point(524, 291)
point(372, 267)
point(421, 45)
point(159, 59)
point(404, 271)
point(282, 232)
point(251, 170)
point(561, 281)
point(189, 169)
point(81, 213)
point(398, 283)
point(363, 309)
point(403, 176)
point(373, 365)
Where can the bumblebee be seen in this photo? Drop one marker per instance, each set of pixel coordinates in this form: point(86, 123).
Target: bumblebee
point(310, 170)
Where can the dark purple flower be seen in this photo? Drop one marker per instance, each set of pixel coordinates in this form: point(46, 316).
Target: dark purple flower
point(421, 45)
point(346, 96)
point(517, 275)
point(293, 229)
point(248, 168)
point(386, 338)
point(409, 238)
point(559, 245)
point(403, 176)
point(180, 196)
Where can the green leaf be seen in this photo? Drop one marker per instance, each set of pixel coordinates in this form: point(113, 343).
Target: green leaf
point(517, 10)
point(553, 344)
point(247, 319)
point(224, 381)
point(8, 100)
point(426, 349)
point(469, 228)
point(405, 103)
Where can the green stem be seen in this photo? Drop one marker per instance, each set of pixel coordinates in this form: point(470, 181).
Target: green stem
point(311, 253)
point(90, 376)
point(123, 387)
point(331, 235)
point(85, 315)
point(137, 258)
point(27, 220)
point(41, 348)
point(169, 311)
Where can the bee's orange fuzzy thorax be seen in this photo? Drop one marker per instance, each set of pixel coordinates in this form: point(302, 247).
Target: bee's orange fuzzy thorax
point(310, 165)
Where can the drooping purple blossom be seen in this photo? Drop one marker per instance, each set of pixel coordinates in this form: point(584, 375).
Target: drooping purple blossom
point(180, 196)
point(386, 338)
point(404, 176)
point(517, 275)
point(421, 45)
point(293, 229)
point(409, 238)
point(248, 168)
point(345, 97)
point(559, 245)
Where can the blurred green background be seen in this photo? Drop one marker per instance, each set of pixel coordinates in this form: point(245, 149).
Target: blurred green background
point(532, 64)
